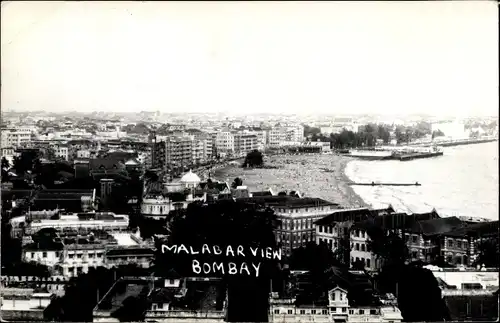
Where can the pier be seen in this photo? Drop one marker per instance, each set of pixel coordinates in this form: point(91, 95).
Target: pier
point(386, 184)
point(455, 142)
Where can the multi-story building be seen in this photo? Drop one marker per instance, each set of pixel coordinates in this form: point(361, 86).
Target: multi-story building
point(224, 142)
point(296, 216)
point(174, 151)
point(295, 133)
point(245, 142)
point(61, 151)
point(336, 229)
point(337, 309)
point(261, 137)
point(427, 236)
point(13, 137)
point(139, 255)
point(275, 136)
point(81, 221)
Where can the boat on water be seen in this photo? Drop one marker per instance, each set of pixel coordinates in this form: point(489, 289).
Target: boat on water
point(371, 154)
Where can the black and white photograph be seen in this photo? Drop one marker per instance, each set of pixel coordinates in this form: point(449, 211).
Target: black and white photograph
point(249, 161)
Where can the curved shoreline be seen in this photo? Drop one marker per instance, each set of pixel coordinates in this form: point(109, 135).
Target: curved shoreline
point(324, 178)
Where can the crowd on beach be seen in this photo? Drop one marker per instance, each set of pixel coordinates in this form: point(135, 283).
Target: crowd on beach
point(315, 175)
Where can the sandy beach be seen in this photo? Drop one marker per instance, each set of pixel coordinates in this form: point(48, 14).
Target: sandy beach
point(313, 175)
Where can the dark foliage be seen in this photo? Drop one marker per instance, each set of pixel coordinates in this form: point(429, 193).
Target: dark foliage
point(237, 182)
point(316, 259)
point(254, 159)
point(488, 253)
point(84, 292)
point(133, 308)
point(226, 223)
point(5, 169)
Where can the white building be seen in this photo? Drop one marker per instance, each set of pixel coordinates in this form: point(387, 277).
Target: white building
point(61, 152)
point(156, 207)
point(295, 133)
point(224, 141)
point(87, 221)
point(245, 142)
point(337, 310)
point(13, 137)
point(190, 180)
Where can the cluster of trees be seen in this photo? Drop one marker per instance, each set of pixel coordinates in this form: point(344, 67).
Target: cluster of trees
point(488, 253)
point(224, 223)
point(83, 292)
point(254, 159)
point(368, 135)
point(237, 182)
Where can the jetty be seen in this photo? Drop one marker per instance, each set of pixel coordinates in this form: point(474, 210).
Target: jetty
point(386, 184)
point(418, 155)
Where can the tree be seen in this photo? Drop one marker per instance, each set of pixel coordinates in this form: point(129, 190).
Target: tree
point(27, 161)
point(5, 169)
point(487, 253)
point(237, 182)
point(224, 223)
point(358, 265)
point(437, 133)
point(254, 159)
point(133, 308)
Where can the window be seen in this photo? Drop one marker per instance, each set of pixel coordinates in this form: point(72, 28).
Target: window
point(351, 312)
point(302, 312)
point(368, 263)
point(333, 296)
point(44, 254)
point(450, 243)
point(320, 228)
point(361, 312)
point(290, 312)
point(373, 312)
point(362, 247)
point(276, 311)
point(32, 255)
point(344, 309)
point(414, 254)
point(313, 312)
point(414, 239)
point(459, 244)
point(357, 246)
point(324, 312)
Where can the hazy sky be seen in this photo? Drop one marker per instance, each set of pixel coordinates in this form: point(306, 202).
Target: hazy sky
point(345, 57)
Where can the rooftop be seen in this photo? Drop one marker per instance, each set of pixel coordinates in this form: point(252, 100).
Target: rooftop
point(290, 202)
point(342, 215)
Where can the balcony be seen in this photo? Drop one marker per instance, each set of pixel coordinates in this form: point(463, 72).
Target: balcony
point(186, 314)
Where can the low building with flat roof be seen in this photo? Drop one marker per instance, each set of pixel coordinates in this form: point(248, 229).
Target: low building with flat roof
point(108, 221)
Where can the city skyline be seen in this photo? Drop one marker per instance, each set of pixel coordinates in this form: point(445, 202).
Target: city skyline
point(438, 58)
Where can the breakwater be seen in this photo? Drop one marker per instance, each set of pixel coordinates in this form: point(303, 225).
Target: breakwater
point(456, 142)
point(386, 184)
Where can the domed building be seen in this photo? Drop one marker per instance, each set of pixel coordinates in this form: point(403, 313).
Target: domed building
point(190, 180)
